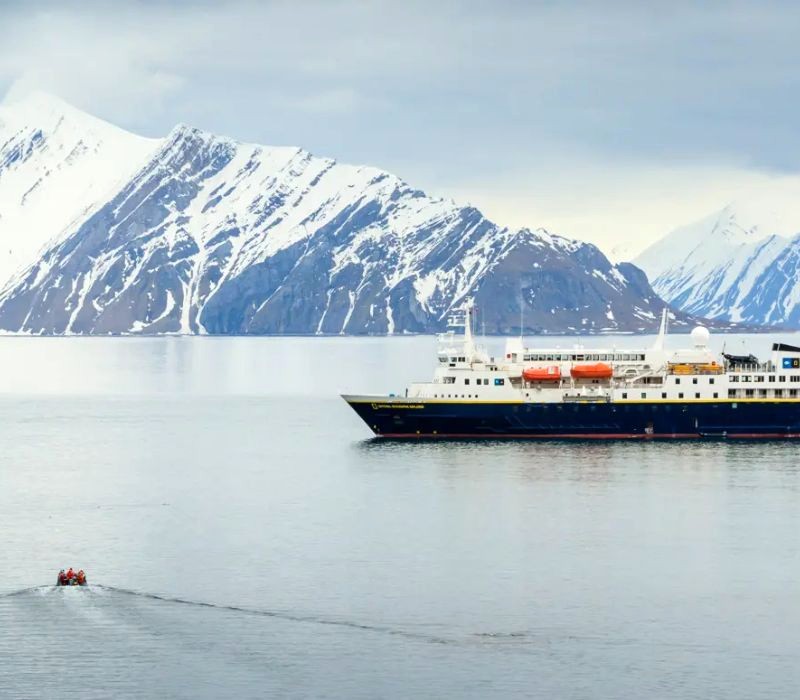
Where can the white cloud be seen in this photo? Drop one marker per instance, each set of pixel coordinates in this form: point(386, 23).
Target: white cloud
point(629, 206)
point(324, 102)
point(606, 121)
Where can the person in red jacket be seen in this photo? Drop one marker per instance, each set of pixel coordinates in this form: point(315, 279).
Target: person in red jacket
point(70, 575)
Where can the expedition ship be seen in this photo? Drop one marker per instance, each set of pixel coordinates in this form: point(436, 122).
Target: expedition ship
point(592, 393)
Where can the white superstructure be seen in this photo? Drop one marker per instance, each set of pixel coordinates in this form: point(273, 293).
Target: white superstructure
point(466, 372)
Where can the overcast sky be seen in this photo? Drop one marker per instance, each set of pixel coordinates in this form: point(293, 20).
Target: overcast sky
point(605, 121)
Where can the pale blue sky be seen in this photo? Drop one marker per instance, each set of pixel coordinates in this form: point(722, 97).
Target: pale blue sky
point(606, 121)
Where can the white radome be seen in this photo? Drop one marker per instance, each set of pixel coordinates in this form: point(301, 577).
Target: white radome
point(700, 336)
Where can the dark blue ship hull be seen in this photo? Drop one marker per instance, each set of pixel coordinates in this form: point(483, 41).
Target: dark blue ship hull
point(409, 419)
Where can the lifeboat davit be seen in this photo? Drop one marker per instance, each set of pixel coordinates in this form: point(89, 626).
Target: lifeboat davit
point(542, 374)
point(596, 370)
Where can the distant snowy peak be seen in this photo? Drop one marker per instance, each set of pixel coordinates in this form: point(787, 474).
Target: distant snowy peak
point(710, 241)
point(56, 163)
point(39, 110)
point(766, 216)
point(731, 266)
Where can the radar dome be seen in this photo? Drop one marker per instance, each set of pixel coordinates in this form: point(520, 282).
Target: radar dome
point(700, 336)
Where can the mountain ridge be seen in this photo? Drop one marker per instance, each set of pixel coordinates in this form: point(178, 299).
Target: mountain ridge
point(730, 266)
point(206, 234)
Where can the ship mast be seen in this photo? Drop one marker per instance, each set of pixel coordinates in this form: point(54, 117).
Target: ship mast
point(461, 345)
point(469, 342)
point(662, 330)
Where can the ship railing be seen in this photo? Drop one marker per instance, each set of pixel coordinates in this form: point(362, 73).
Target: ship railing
point(639, 382)
point(594, 398)
point(565, 383)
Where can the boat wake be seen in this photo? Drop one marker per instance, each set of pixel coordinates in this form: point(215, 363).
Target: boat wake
point(282, 615)
point(103, 590)
point(24, 591)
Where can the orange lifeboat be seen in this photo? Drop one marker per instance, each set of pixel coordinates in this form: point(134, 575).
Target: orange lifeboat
point(542, 374)
point(596, 370)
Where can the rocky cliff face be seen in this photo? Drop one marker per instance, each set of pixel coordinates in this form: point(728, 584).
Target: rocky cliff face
point(208, 235)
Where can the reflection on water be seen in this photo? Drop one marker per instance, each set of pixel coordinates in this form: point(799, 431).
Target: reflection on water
point(244, 537)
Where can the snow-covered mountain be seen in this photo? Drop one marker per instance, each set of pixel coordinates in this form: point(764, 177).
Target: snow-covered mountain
point(740, 264)
point(197, 233)
point(55, 163)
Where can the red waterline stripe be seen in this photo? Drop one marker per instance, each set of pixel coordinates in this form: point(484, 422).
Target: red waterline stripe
point(594, 436)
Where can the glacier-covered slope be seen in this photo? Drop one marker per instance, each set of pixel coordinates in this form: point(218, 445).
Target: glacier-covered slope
point(56, 163)
point(739, 264)
point(208, 235)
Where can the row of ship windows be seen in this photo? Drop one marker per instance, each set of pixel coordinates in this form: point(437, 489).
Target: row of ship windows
point(601, 357)
point(557, 357)
point(745, 378)
point(581, 407)
point(455, 396)
point(480, 380)
point(498, 381)
point(645, 395)
point(732, 394)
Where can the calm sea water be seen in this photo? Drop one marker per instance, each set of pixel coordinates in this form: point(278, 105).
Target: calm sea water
point(245, 538)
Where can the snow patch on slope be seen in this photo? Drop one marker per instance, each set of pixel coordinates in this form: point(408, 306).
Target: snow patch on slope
point(56, 164)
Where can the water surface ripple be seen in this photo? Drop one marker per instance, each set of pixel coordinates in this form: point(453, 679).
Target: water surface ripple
point(244, 537)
